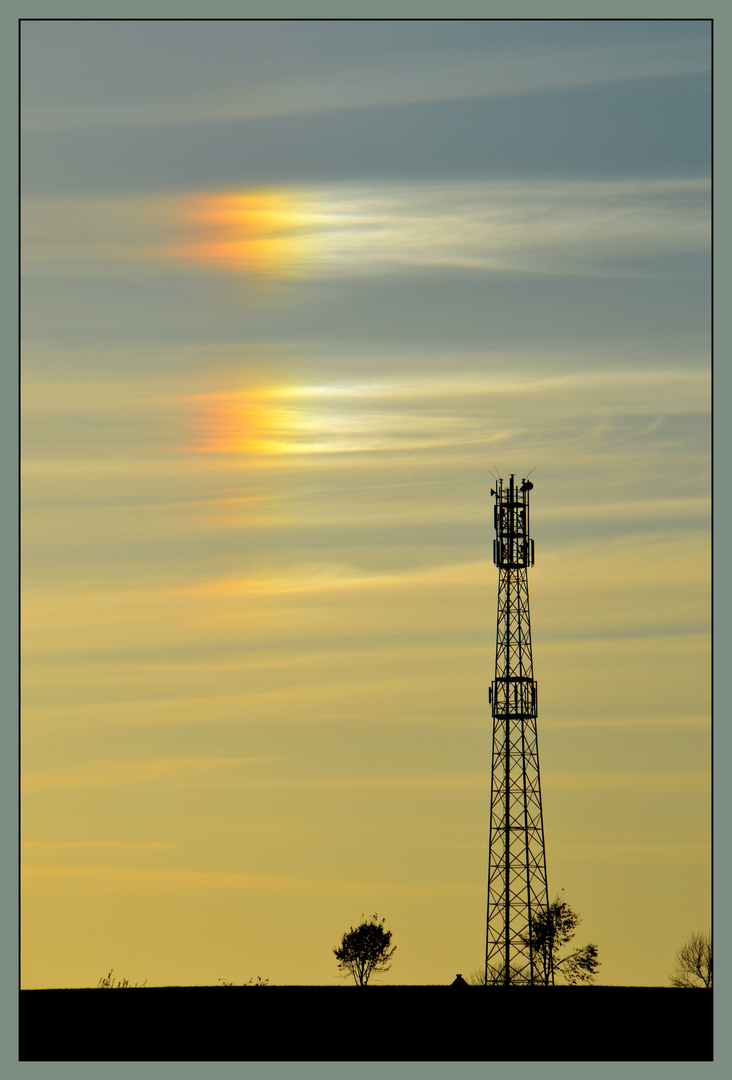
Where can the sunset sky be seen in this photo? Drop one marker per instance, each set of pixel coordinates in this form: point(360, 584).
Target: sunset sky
point(292, 293)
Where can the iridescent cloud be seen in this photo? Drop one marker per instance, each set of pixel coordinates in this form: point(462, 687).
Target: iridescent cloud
point(325, 232)
point(421, 412)
point(548, 226)
point(258, 421)
point(261, 232)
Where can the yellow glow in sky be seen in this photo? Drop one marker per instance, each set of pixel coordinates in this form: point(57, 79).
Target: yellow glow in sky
point(246, 422)
point(284, 708)
point(280, 329)
point(258, 232)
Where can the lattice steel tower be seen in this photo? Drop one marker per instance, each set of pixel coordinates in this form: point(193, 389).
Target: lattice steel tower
point(517, 887)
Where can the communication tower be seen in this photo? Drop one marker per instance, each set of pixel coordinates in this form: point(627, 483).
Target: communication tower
point(517, 886)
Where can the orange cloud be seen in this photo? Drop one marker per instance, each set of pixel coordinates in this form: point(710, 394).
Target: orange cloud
point(245, 422)
point(258, 232)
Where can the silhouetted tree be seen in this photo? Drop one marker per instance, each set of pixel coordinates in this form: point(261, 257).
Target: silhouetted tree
point(694, 962)
point(552, 929)
point(365, 949)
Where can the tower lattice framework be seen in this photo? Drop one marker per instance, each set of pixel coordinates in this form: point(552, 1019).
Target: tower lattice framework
point(517, 883)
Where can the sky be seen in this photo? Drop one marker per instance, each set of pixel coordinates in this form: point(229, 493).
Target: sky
point(293, 293)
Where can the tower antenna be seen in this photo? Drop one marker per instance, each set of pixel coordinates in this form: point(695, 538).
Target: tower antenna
point(517, 884)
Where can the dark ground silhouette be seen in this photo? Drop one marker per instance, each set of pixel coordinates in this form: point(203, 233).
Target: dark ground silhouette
point(373, 1023)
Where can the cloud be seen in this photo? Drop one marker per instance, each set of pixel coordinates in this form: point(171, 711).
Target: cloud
point(429, 71)
point(106, 878)
point(41, 846)
point(673, 854)
point(190, 771)
point(460, 410)
point(324, 232)
point(630, 721)
point(193, 773)
point(646, 782)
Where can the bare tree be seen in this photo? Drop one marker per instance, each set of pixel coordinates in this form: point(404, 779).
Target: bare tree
point(694, 962)
point(477, 977)
point(365, 949)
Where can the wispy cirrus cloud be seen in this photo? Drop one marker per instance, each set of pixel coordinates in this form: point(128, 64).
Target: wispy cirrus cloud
point(426, 412)
point(105, 878)
point(646, 782)
point(537, 226)
point(152, 771)
point(675, 854)
point(117, 773)
point(434, 73)
point(44, 846)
